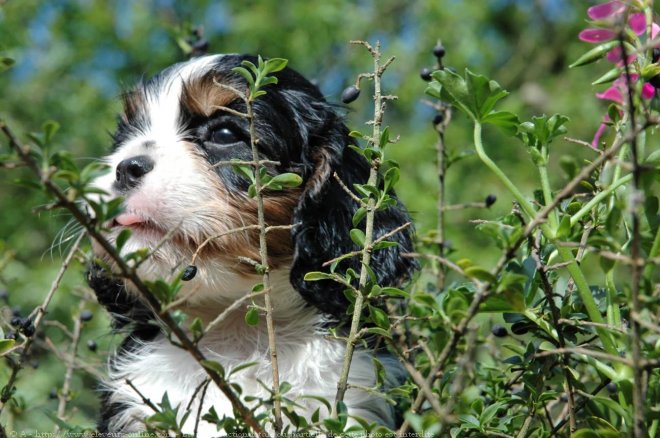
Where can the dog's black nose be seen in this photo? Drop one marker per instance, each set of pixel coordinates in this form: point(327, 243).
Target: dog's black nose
point(130, 171)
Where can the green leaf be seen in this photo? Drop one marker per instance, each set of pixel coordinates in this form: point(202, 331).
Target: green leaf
point(252, 316)
point(391, 177)
point(451, 88)
point(379, 331)
point(197, 328)
point(479, 273)
point(384, 244)
point(505, 120)
point(241, 367)
point(213, 366)
point(50, 128)
point(316, 276)
point(6, 345)
point(6, 63)
point(356, 134)
point(564, 229)
point(357, 236)
point(122, 238)
point(258, 287)
point(384, 137)
point(395, 292)
point(609, 76)
point(359, 214)
point(379, 317)
point(484, 92)
point(246, 75)
point(594, 54)
point(287, 180)
point(274, 65)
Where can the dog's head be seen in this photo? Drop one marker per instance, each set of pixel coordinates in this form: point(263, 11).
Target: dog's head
point(170, 163)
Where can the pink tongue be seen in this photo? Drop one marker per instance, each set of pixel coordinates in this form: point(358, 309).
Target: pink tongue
point(127, 219)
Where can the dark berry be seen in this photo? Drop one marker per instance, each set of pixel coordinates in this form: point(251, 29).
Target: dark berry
point(490, 200)
point(10, 335)
point(611, 388)
point(499, 331)
point(52, 394)
point(34, 364)
point(16, 311)
point(425, 74)
point(438, 119)
point(16, 321)
point(439, 51)
point(520, 328)
point(28, 329)
point(91, 345)
point(189, 273)
point(86, 315)
point(350, 94)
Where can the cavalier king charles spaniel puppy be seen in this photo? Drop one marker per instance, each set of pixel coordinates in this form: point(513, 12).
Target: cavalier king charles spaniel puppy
point(173, 131)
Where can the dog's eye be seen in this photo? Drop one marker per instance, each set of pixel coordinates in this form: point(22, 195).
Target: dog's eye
point(224, 135)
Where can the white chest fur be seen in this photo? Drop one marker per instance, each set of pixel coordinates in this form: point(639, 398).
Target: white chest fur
point(309, 361)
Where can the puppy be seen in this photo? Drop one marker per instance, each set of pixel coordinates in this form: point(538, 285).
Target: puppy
point(170, 147)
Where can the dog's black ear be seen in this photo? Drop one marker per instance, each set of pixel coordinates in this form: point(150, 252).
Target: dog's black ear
point(323, 221)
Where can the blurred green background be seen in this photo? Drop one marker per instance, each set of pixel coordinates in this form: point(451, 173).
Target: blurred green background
point(74, 57)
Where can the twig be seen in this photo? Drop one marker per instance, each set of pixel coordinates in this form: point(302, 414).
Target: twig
point(586, 352)
point(443, 261)
point(348, 191)
point(8, 388)
point(145, 400)
point(235, 305)
point(199, 408)
point(371, 246)
point(441, 165)
point(583, 143)
point(263, 253)
point(379, 108)
point(464, 206)
point(637, 390)
point(556, 317)
point(64, 395)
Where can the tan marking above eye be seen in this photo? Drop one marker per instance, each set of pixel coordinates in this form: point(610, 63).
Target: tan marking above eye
point(202, 95)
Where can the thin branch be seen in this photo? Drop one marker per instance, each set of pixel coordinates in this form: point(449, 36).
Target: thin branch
point(638, 385)
point(235, 305)
point(586, 352)
point(64, 394)
point(144, 399)
point(371, 246)
point(17, 366)
point(556, 317)
point(348, 191)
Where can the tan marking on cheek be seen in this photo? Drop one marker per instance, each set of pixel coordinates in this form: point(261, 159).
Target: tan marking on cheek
point(202, 96)
point(236, 210)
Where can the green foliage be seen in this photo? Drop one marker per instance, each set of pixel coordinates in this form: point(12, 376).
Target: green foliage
point(489, 384)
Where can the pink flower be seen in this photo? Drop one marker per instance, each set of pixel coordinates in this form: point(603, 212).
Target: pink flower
point(605, 10)
point(596, 35)
point(609, 13)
